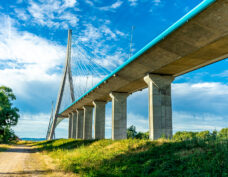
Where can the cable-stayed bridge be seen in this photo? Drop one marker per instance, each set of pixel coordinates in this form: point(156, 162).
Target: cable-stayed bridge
point(196, 40)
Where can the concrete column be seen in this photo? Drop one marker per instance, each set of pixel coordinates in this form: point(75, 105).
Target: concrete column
point(160, 105)
point(79, 129)
point(70, 126)
point(74, 124)
point(87, 122)
point(99, 119)
point(119, 115)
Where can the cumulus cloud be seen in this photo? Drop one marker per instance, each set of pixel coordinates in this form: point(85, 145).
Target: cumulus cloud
point(26, 61)
point(32, 126)
point(94, 43)
point(53, 13)
point(185, 121)
point(204, 97)
point(196, 106)
point(35, 126)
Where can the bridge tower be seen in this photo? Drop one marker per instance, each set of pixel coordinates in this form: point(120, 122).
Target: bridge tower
point(67, 71)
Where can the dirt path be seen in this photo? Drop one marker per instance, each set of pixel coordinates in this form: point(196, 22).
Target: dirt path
point(22, 160)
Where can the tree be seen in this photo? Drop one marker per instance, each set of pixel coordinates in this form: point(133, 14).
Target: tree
point(131, 132)
point(8, 114)
point(141, 135)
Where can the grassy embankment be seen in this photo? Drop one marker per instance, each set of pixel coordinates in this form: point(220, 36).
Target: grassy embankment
point(4, 147)
point(201, 154)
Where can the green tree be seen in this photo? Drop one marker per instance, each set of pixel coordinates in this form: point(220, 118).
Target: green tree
point(223, 133)
point(131, 132)
point(141, 135)
point(8, 114)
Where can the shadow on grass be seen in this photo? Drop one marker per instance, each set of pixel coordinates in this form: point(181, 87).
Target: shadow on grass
point(187, 158)
point(64, 144)
point(2, 149)
point(27, 172)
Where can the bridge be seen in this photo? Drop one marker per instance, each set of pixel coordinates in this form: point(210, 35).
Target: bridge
point(198, 39)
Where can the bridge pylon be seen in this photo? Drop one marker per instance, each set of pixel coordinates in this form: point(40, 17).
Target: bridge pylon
point(67, 71)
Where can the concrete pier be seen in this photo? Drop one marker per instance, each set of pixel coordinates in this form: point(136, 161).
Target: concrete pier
point(119, 115)
point(87, 122)
point(74, 124)
point(99, 119)
point(79, 129)
point(70, 126)
point(160, 105)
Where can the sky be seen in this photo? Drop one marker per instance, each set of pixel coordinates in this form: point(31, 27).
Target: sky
point(33, 40)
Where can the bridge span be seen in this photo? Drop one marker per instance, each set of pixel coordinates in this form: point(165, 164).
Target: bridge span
point(196, 40)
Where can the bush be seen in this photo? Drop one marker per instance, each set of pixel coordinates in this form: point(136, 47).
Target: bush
point(205, 135)
point(141, 135)
point(223, 133)
point(181, 136)
point(132, 133)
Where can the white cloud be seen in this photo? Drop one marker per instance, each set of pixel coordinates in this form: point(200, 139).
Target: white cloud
point(72, 19)
point(111, 61)
point(141, 122)
point(223, 74)
point(133, 2)
point(32, 126)
point(70, 3)
point(53, 13)
point(120, 33)
point(35, 126)
point(95, 40)
point(108, 33)
point(211, 89)
point(90, 34)
point(183, 121)
point(27, 58)
point(115, 5)
point(21, 14)
point(89, 2)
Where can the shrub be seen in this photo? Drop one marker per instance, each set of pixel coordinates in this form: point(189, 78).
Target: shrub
point(205, 135)
point(141, 135)
point(181, 136)
point(223, 133)
point(132, 133)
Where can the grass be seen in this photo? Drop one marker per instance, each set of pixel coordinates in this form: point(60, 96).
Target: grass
point(134, 157)
point(4, 147)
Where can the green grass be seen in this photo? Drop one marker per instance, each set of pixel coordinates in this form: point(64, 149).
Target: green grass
point(133, 157)
point(4, 147)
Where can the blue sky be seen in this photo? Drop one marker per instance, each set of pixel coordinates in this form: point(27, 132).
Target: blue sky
point(33, 38)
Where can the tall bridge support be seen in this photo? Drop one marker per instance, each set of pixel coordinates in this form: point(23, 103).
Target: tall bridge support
point(70, 126)
point(74, 126)
point(119, 115)
point(79, 128)
point(160, 105)
point(67, 71)
point(87, 122)
point(99, 119)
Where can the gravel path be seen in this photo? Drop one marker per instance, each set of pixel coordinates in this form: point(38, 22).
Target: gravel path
point(22, 161)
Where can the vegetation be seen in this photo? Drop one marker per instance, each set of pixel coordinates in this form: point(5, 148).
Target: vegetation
point(132, 133)
point(8, 115)
point(4, 147)
point(187, 154)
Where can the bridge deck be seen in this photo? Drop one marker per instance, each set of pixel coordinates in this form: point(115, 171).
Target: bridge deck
point(198, 39)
